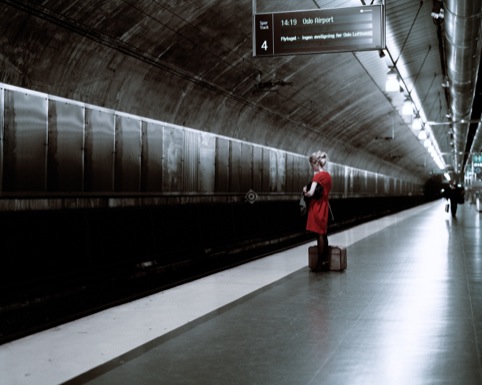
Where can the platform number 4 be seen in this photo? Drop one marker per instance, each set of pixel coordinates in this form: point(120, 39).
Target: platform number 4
point(264, 45)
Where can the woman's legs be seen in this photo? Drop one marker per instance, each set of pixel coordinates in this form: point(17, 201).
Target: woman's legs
point(322, 243)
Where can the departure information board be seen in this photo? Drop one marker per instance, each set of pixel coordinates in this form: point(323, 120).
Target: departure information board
point(319, 31)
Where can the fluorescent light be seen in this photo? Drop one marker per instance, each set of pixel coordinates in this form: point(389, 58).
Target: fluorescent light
point(422, 135)
point(392, 81)
point(417, 123)
point(407, 108)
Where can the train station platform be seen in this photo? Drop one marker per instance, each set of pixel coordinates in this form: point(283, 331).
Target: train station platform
point(408, 310)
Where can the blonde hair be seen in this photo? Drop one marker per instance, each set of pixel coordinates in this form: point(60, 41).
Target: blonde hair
point(319, 157)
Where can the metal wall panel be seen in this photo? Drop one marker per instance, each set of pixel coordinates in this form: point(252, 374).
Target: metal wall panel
point(344, 180)
point(25, 142)
point(172, 146)
point(304, 170)
point(298, 172)
point(235, 166)
point(358, 177)
point(290, 172)
point(348, 180)
point(338, 179)
point(281, 171)
point(100, 150)
point(207, 162)
point(2, 125)
point(65, 167)
point(57, 145)
point(386, 185)
point(222, 165)
point(371, 184)
point(152, 136)
point(273, 170)
point(335, 177)
point(257, 168)
point(351, 189)
point(246, 167)
point(190, 165)
point(266, 170)
point(128, 149)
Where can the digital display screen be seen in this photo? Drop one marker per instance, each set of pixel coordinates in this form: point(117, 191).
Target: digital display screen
point(319, 31)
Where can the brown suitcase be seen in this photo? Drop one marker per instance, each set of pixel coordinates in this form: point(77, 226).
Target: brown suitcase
point(337, 258)
point(312, 257)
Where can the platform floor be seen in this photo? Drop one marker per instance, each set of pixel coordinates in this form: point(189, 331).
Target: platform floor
point(408, 311)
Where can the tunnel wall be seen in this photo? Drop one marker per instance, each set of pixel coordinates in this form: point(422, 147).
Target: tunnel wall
point(60, 148)
point(98, 207)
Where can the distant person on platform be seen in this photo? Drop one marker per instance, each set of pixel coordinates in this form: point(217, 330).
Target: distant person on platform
point(318, 209)
point(455, 195)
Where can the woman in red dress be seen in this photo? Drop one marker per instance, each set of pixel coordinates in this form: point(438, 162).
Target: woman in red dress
point(318, 210)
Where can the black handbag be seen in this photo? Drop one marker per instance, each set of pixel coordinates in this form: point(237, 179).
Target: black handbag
point(305, 201)
point(318, 190)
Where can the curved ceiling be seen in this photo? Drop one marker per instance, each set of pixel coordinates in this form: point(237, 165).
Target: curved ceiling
point(191, 63)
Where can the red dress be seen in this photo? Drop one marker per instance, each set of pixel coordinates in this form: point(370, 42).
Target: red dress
point(318, 211)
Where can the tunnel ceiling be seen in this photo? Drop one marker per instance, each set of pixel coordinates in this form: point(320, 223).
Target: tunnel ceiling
point(191, 63)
